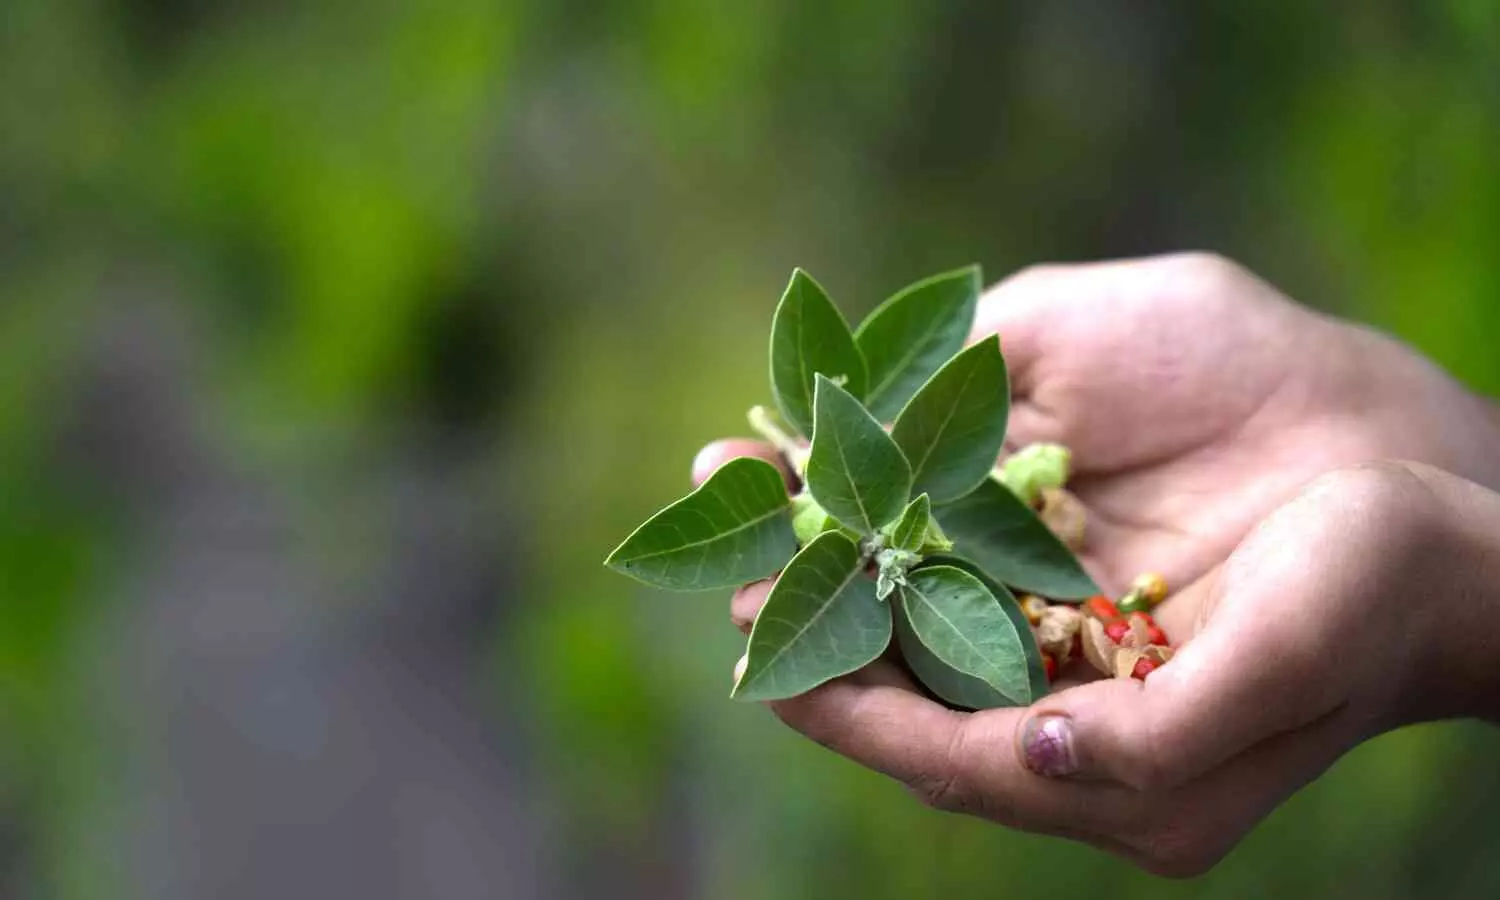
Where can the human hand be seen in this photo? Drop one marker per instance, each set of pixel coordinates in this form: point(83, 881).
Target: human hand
point(1196, 400)
point(1365, 603)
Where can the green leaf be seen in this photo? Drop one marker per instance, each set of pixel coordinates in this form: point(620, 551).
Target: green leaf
point(910, 531)
point(809, 337)
point(950, 685)
point(1005, 538)
point(820, 621)
point(735, 528)
point(964, 690)
point(909, 337)
point(957, 618)
point(952, 430)
point(854, 469)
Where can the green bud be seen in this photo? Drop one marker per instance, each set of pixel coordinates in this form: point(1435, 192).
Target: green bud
point(809, 519)
point(1034, 469)
point(935, 541)
point(893, 563)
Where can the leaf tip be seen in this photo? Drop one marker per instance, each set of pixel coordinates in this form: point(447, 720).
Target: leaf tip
point(800, 277)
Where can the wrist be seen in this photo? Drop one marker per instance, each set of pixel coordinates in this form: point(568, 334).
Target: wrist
point(1415, 410)
point(1462, 596)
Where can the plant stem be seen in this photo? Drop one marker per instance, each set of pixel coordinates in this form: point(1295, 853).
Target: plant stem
point(765, 424)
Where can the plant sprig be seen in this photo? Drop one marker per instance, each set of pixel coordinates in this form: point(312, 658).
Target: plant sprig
point(909, 533)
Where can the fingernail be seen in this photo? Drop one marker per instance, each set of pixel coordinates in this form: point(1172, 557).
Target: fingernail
point(739, 668)
point(1047, 746)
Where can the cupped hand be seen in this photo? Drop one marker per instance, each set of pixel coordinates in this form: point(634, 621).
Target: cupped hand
point(1363, 604)
point(1196, 400)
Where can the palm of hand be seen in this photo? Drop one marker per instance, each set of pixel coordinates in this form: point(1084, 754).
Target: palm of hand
point(1194, 397)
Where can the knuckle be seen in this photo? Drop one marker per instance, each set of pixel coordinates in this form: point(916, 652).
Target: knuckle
point(942, 793)
point(1149, 766)
point(1209, 266)
point(947, 790)
point(1385, 499)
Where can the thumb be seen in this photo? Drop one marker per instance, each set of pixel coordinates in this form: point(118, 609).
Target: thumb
point(1245, 678)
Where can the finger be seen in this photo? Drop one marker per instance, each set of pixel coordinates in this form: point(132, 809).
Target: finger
point(1029, 423)
point(954, 761)
point(1030, 308)
point(716, 454)
point(1017, 310)
point(745, 605)
point(1240, 681)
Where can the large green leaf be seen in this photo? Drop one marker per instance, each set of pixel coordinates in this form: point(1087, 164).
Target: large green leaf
point(809, 337)
point(957, 618)
point(909, 337)
point(735, 528)
point(952, 430)
point(964, 690)
point(1012, 545)
point(854, 469)
point(949, 684)
point(820, 621)
point(910, 531)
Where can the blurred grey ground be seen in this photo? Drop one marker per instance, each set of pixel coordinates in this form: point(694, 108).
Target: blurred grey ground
point(281, 735)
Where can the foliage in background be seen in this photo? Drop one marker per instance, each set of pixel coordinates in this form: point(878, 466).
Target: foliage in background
point(551, 228)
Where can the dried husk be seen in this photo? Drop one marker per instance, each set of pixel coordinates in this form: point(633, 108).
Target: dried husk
point(1098, 649)
point(1064, 514)
point(1125, 661)
point(1056, 629)
point(1126, 658)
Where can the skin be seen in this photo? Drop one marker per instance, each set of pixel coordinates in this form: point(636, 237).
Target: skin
point(1324, 495)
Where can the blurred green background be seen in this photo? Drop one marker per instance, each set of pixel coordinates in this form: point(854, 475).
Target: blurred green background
point(339, 342)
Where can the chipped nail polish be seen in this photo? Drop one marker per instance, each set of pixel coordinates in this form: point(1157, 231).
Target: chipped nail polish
point(1047, 746)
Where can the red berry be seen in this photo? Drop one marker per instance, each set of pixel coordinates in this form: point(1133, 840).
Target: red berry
point(1143, 667)
point(1101, 608)
point(1050, 664)
point(1154, 634)
point(1117, 630)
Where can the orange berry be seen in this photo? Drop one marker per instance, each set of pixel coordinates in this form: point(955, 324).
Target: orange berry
point(1101, 608)
point(1033, 607)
